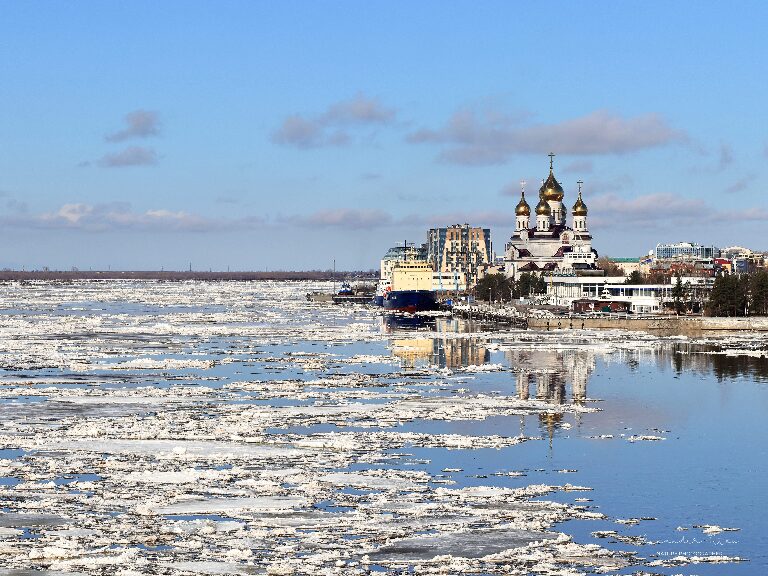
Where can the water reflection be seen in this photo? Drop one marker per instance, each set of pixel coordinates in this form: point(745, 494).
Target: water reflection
point(549, 371)
point(724, 361)
point(392, 322)
point(441, 352)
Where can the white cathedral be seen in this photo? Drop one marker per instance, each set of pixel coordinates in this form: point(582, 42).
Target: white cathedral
point(550, 246)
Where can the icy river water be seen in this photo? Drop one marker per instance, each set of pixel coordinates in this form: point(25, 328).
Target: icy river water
point(235, 428)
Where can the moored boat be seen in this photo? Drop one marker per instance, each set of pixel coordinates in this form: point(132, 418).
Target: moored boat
point(411, 301)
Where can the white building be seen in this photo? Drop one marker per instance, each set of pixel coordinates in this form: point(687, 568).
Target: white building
point(685, 250)
point(643, 298)
point(550, 245)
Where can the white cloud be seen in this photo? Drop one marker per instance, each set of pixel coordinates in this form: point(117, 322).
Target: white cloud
point(139, 124)
point(481, 137)
point(663, 210)
point(332, 127)
point(132, 156)
point(121, 216)
point(342, 218)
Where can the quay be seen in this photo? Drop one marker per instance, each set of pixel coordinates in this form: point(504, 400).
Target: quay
point(500, 314)
point(537, 319)
point(672, 324)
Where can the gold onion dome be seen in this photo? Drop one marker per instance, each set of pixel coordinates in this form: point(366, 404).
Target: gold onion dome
point(551, 189)
point(542, 208)
point(522, 208)
point(579, 209)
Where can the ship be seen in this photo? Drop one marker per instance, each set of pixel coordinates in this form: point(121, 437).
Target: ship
point(410, 301)
point(411, 287)
point(384, 285)
point(360, 294)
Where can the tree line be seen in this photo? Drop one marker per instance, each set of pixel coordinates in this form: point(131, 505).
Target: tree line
point(739, 295)
point(497, 287)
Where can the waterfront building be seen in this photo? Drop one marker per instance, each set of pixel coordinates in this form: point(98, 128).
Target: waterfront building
point(459, 249)
point(685, 251)
point(550, 245)
point(642, 298)
point(449, 281)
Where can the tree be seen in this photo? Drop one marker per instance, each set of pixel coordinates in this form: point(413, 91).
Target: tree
point(636, 277)
point(729, 296)
point(610, 267)
point(758, 293)
point(494, 287)
point(679, 296)
point(524, 284)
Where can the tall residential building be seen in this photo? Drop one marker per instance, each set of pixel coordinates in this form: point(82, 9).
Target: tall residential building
point(459, 249)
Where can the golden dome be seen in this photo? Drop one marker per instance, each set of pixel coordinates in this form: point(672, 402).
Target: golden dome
point(579, 209)
point(551, 189)
point(522, 208)
point(542, 208)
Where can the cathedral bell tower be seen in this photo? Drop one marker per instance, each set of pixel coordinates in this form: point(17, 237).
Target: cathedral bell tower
point(522, 211)
point(580, 213)
point(543, 216)
point(551, 192)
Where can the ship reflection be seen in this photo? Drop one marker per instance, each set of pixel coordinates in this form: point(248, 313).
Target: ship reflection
point(392, 322)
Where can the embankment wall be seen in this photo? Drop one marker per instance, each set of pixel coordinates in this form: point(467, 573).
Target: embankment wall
point(671, 324)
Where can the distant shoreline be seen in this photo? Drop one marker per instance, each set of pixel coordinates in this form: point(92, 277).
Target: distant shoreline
point(16, 275)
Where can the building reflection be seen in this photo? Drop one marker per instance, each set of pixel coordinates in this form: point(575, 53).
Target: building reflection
point(546, 375)
point(548, 372)
point(558, 372)
point(440, 352)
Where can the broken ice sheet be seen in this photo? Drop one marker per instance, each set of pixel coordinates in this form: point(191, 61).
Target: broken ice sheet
point(235, 428)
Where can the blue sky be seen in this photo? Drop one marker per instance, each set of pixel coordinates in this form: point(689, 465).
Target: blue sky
point(283, 135)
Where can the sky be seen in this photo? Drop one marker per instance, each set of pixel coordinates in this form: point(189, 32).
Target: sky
point(286, 135)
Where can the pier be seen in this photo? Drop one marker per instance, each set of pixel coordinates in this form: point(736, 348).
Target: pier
point(499, 314)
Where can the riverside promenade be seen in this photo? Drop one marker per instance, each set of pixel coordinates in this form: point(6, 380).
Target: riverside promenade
point(655, 323)
point(540, 319)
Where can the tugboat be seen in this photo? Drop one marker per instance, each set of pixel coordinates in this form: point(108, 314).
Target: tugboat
point(358, 295)
point(346, 289)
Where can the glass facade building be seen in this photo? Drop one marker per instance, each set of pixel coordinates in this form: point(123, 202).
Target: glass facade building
point(685, 250)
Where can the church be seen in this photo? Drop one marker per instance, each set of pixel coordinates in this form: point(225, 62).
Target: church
point(548, 245)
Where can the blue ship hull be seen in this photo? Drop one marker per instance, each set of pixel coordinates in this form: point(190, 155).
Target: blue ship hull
point(378, 300)
point(410, 301)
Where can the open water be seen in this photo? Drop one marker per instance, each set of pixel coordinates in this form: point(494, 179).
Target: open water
point(235, 428)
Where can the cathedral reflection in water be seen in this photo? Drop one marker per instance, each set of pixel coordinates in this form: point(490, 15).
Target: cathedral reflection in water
point(557, 372)
point(547, 372)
